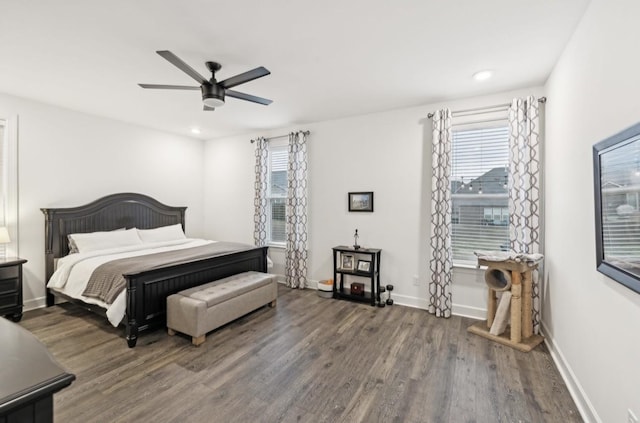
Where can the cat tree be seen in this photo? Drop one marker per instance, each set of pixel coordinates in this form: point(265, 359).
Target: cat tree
point(513, 278)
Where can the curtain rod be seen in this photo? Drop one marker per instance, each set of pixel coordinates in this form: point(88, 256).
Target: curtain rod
point(487, 109)
point(282, 136)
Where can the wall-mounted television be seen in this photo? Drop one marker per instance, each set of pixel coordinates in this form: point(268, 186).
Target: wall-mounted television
point(616, 166)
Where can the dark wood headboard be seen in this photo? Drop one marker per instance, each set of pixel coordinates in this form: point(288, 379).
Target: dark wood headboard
point(124, 210)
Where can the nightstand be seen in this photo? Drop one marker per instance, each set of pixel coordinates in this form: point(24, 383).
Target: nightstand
point(11, 288)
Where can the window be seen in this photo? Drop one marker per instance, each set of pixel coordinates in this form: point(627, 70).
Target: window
point(9, 183)
point(479, 176)
point(277, 194)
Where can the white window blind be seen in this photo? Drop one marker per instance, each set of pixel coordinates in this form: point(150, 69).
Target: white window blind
point(277, 193)
point(480, 207)
point(620, 182)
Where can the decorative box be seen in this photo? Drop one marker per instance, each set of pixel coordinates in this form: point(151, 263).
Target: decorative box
point(357, 288)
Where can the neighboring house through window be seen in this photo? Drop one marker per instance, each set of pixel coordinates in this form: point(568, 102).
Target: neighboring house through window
point(479, 179)
point(277, 194)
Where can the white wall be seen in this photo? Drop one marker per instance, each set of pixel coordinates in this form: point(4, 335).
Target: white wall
point(592, 321)
point(387, 153)
point(68, 158)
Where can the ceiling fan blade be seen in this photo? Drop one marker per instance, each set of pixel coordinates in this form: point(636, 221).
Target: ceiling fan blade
point(169, 87)
point(207, 108)
point(177, 62)
point(244, 77)
point(248, 97)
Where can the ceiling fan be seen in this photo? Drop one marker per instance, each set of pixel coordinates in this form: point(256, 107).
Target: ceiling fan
point(213, 92)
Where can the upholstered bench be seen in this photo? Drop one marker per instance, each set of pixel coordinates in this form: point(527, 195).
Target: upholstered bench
point(201, 309)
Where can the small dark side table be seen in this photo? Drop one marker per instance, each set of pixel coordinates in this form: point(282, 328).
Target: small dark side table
point(11, 288)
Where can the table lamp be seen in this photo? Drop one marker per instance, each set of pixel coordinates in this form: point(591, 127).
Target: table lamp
point(4, 235)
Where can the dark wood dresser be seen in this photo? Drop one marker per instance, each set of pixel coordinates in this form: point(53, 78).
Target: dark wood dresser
point(29, 376)
point(11, 288)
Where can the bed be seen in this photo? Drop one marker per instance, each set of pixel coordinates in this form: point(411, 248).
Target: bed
point(146, 291)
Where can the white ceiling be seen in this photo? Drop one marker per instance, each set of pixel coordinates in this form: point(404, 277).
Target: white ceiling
point(328, 59)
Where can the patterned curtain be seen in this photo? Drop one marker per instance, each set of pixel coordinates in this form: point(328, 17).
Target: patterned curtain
point(441, 262)
point(296, 212)
point(260, 199)
point(524, 190)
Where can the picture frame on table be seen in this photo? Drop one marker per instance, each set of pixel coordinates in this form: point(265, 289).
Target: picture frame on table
point(364, 266)
point(361, 201)
point(346, 262)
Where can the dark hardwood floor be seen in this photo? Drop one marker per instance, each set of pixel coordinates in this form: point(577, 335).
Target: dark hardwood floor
point(307, 360)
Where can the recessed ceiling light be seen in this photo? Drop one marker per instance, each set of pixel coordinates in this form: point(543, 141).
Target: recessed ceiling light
point(195, 130)
point(482, 75)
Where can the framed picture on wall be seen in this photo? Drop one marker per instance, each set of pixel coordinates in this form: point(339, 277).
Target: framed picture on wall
point(616, 168)
point(361, 201)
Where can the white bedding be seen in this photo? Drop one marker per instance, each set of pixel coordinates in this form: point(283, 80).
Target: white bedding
point(73, 271)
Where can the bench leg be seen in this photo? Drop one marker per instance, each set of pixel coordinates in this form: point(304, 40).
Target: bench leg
point(198, 341)
point(272, 304)
point(171, 332)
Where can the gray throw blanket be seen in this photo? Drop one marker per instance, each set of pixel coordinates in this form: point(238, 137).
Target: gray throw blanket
point(106, 281)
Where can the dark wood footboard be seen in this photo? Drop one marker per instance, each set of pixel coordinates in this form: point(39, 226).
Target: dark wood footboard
point(147, 292)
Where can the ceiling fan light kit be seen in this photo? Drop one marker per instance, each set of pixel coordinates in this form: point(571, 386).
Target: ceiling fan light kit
point(212, 95)
point(213, 92)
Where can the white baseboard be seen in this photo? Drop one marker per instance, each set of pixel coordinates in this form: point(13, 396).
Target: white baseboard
point(469, 311)
point(421, 303)
point(586, 409)
point(405, 300)
point(34, 304)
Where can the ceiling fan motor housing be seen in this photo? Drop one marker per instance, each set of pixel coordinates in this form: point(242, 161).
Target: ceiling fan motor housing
point(212, 95)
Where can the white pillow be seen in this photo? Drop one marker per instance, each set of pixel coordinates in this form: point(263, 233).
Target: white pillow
point(161, 234)
point(73, 249)
point(95, 241)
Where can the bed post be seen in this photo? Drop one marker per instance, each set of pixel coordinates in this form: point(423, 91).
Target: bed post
point(132, 324)
point(48, 253)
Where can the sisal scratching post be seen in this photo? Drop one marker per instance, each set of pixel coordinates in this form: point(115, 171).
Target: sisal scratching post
point(516, 308)
point(527, 306)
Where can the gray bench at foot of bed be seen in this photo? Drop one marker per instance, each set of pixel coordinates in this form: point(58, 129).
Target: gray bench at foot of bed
point(201, 309)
